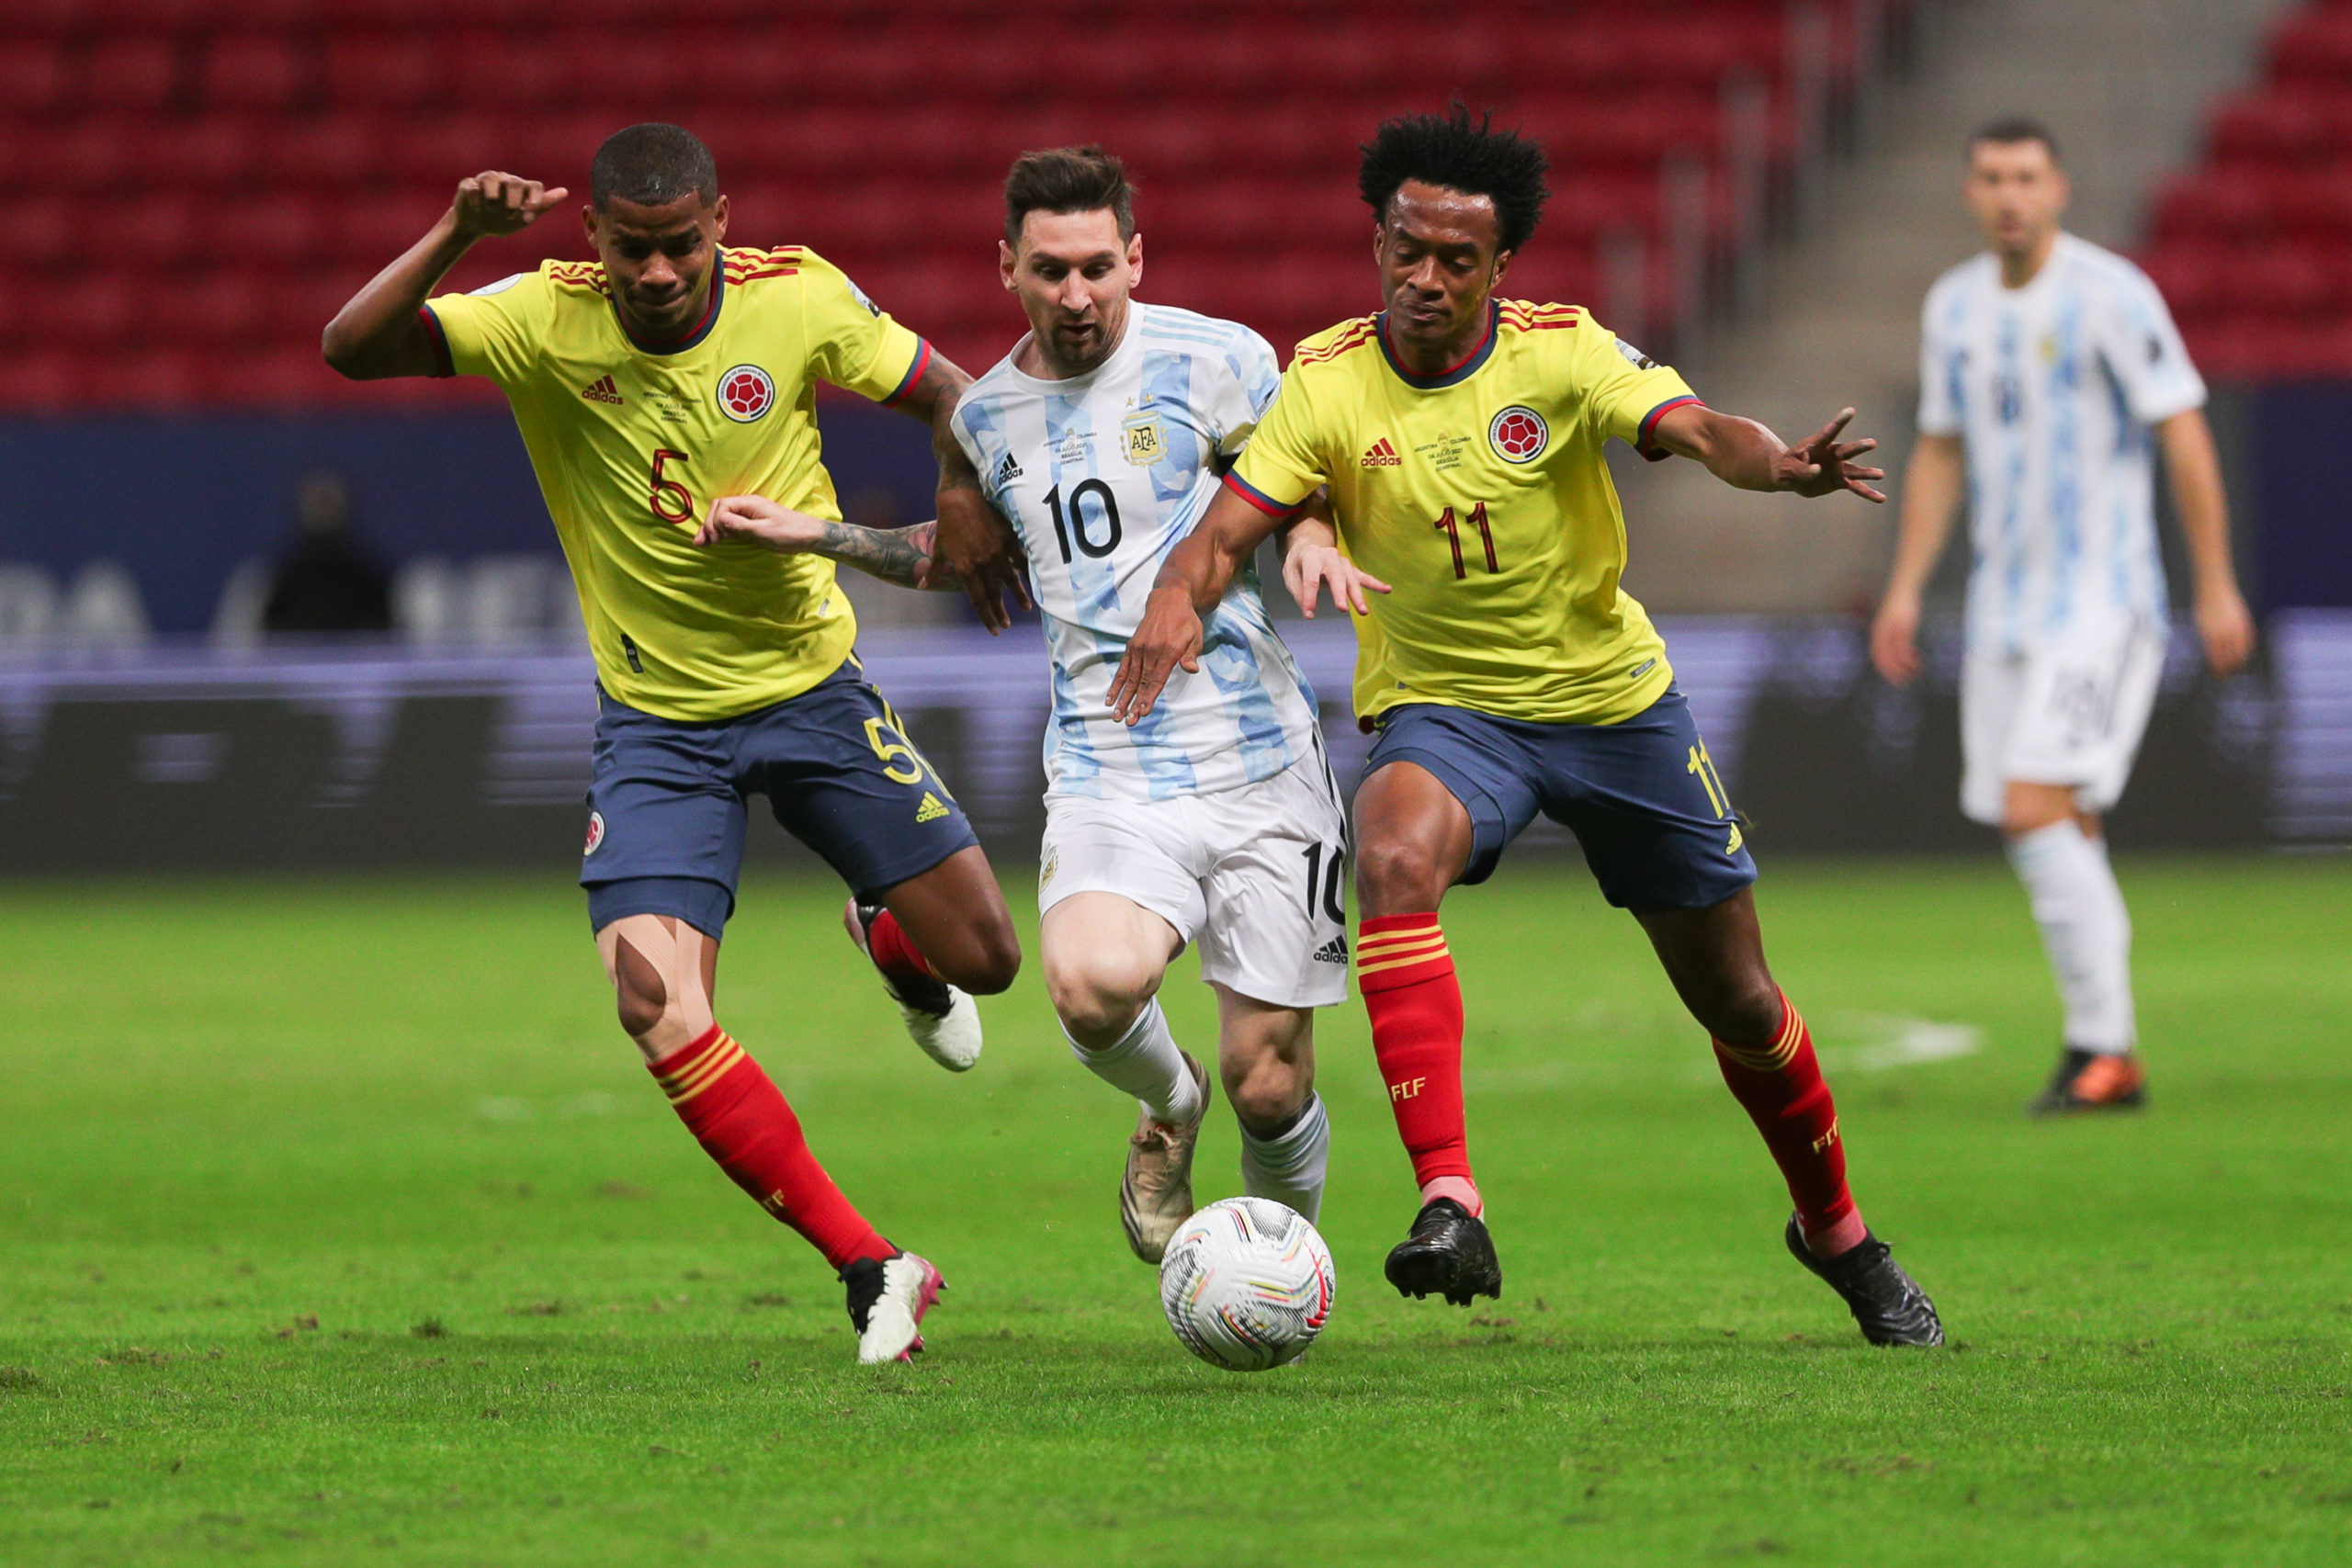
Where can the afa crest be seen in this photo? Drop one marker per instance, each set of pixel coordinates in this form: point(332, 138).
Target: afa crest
point(1142, 440)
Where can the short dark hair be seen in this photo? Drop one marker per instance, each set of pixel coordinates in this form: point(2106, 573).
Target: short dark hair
point(1067, 179)
point(653, 164)
point(2010, 129)
point(1457, 153)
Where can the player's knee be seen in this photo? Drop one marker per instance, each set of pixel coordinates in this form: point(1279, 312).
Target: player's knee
point(1744, 1008)
point(1397, 876)
point(1097, 994)
point(994, 959)
point(1267, 1095)
point(642, 1005)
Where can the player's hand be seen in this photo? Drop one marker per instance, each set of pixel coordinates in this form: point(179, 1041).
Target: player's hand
point(762, 521)
point(1823, 465)
point(980, 548)
point(2227, 627)
point(1169, 636)
point(1312, 565)
point(1894, 638)
point(493, 203)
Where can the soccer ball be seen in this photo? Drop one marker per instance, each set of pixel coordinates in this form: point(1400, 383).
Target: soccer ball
point(1247, 1284)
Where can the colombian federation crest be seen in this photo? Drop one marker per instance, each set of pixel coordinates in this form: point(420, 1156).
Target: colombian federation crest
point(595, 833)
point(1518, 435)
point(745, 393)
point(1142, 440)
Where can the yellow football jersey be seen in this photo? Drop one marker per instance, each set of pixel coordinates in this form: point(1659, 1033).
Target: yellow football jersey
point(633, 442)
point(1481, 497)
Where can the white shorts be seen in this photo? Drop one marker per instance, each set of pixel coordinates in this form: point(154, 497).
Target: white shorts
point(1258, 875)
point(2070, 712)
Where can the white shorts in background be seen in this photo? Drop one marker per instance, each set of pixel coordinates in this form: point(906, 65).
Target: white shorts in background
point(1257, 875)
point(2069, 712)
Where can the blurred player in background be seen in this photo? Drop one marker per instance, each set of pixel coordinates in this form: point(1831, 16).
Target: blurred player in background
point(1103, 436)
point(671, 370)
point(2050, 372)
point(1460, 437)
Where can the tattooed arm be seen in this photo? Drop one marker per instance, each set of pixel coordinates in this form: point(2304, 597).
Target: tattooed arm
point(902, 556)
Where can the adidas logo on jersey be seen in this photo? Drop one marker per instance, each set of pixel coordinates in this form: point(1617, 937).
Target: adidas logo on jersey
point(1332, 952)
point(602, 391)
point(1007, 471)
point(930, 810)
point(1381, 456)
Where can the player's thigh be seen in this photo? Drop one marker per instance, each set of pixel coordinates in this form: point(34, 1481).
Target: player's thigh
point(2083, 706)
point(1473, 758)
point(1991, 683)
point(1276, 927)
point(665, 822)
point(1653, 815)
point(1116, 901)
point(842, 776)
point(664, 972)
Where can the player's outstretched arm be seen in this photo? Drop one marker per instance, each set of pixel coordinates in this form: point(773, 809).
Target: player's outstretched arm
point(902, 556)
point(2194, 468)
point(978, 551)
point(1190, 581)
point(1745, 453)
point(1312, 562)
point(1931, 495)
point(376, 333)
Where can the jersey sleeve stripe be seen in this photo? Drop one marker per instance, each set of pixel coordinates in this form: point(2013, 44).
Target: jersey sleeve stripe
point(1260, 499)
point(914, 373)
point(1649, 422)
point(443, 364)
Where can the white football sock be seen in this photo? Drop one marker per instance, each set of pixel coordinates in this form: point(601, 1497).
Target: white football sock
point(2085, 928)
point(1289, 1166)
point(1145, 1063)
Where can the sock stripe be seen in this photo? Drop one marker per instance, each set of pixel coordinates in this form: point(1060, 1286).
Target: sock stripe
point(1776, 1056)
point(699, 1074)
point(1404, 962)
point(1388, 942)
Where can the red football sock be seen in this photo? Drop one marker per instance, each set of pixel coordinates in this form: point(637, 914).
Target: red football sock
point(742, 1120)
point(1780, 1088)
point(1407, 975)
point(893, 952)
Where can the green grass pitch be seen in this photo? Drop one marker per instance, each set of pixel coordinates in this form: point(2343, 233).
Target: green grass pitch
point(338, 1224)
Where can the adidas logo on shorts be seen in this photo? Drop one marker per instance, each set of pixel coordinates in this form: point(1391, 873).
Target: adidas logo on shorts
point(1332, 952)
point(930, 810)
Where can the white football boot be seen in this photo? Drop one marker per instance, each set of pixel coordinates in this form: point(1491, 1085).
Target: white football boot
point(1156, 1192)
point(886, 1301)
point(942, 1018)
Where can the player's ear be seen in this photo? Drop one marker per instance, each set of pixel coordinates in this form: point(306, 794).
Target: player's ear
point(588, 221)
point(718, 218)
point(1502, 264)
point(1135, 260)
point(1007, 264)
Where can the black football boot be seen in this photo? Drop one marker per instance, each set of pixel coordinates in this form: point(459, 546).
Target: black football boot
point(2092, 1080)
point(1449, 1253)
point(1886, 1302)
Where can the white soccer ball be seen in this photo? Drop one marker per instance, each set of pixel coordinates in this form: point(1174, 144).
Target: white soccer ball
point(1247, 1284)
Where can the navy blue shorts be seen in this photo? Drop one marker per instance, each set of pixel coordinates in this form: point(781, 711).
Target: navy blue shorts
point(1641, 796)
point(667, 809)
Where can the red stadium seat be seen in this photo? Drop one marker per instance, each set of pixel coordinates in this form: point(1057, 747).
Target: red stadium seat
point(366, 71)
point(35, 77)
point(255, 71)
point(206, 152)
point(136, 73)
point(157, 230)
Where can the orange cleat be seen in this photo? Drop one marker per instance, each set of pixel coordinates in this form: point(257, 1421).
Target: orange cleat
point(2093, 1080)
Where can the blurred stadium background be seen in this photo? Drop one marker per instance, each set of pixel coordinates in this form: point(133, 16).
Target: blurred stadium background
point(1762, 189)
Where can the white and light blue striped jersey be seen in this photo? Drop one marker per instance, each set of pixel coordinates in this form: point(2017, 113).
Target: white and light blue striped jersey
point(2053, 388)
point(1102, 475)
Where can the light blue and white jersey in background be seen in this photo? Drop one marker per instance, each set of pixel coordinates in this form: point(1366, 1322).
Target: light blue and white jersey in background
point(1102, 475)
point(2054, 388)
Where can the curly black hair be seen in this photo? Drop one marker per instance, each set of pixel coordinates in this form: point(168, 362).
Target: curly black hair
point(1457, 154)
